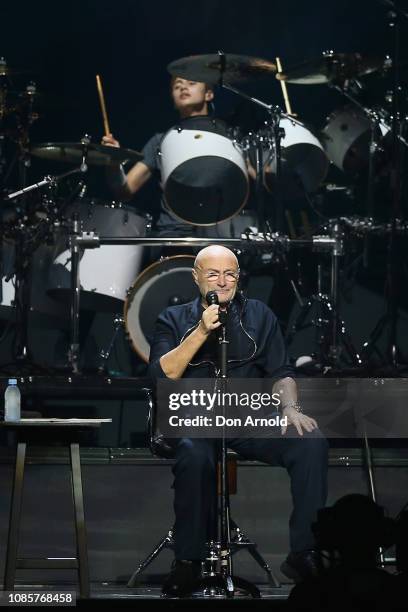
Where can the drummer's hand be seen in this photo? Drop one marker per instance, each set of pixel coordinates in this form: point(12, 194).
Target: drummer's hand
point(110, 141)
point(210, 320)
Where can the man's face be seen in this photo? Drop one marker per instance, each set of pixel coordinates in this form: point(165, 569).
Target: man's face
point(190, 94)
point(220, 274)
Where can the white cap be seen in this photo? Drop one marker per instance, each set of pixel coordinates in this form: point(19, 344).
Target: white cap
point(12, 381)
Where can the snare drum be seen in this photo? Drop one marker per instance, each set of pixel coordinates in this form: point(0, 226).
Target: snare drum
point(106, 272)
point(164, 283)
point(204, 175)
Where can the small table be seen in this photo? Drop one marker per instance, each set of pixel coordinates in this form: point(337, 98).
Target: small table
point(80, 562)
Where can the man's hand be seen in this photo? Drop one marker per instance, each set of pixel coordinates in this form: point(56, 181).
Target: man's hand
point(299, 420)
point(110, 141)
point(210, 319)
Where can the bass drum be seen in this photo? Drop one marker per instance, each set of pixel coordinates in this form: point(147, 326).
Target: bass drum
point(347, 136)
point(303, 158)
point(203, 172)
point(164, 283)
point(107, 272)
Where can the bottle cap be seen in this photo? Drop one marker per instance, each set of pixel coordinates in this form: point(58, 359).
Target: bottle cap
point(12, 381)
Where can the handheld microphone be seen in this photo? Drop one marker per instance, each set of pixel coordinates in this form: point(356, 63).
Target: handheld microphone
point(212, 298)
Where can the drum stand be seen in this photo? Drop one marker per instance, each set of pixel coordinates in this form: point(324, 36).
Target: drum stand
point(334, 331)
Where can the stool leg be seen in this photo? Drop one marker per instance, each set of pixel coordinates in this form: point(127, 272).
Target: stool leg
point(15, 517)
point(82, 549)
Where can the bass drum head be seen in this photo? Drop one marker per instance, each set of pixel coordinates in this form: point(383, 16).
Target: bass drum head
point(164, 283)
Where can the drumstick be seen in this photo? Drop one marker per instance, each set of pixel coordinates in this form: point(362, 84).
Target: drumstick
point(103, 106)
point(284, 89)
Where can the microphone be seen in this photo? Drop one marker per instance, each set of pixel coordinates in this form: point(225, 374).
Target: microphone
point(212, 298)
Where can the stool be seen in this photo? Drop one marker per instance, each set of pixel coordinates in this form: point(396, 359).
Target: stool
point(80, 562)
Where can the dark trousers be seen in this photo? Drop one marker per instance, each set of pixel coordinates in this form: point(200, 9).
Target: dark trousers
point(305, 458)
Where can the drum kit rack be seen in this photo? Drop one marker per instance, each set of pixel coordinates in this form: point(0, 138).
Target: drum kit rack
point(283, 155)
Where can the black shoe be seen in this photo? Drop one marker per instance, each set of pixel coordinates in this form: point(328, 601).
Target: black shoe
point(302, 565)
point(182, 579)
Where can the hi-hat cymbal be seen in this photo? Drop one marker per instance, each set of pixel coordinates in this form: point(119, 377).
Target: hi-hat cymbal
point(332, 67)
point(97, 155)
point(211, 68)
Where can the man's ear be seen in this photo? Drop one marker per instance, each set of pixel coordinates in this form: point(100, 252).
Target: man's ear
point(195, 276)
point(209, 95)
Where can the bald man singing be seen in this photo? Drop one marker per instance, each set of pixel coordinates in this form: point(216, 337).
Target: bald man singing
point(185, 345)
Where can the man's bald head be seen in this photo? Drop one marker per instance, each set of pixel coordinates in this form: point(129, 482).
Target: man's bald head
point(216, 253)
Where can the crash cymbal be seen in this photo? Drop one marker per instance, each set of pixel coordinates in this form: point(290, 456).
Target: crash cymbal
point(209, 68)
point(332, 67)
point(97, 155)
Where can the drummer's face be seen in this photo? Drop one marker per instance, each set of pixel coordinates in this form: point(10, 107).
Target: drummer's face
point(190, 96)
point(217, 273)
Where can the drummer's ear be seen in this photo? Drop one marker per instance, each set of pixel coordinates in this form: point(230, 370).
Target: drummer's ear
point(195, 276)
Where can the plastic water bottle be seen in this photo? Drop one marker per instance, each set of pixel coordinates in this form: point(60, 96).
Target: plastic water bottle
point(12, 401)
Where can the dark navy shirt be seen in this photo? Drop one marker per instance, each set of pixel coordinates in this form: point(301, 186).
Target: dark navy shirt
point(256, 345)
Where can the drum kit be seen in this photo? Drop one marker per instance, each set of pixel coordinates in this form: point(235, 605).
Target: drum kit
point(205, 177)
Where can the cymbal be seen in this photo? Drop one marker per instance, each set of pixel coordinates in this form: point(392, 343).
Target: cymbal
point(332, 67)
point(97, 155)
point(208, 68)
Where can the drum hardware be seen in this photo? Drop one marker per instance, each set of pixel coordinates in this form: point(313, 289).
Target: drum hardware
point(118, 324)
point(277, 129)
point(22, 352)
point(331, 328)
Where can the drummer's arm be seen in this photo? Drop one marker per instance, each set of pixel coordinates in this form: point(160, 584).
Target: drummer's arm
point(124, 185)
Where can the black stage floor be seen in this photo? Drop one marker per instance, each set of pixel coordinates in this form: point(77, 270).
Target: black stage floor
point(114, 595)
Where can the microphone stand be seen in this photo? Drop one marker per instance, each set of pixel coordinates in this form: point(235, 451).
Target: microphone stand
point(225, 578)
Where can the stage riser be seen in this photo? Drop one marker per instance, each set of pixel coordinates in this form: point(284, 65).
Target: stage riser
point(129, 509)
